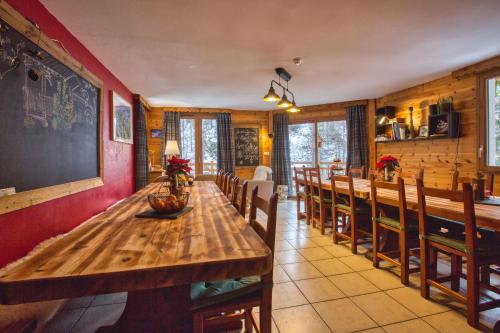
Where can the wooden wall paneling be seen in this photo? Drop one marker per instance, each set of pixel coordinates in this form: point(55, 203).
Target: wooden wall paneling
point(437, 156)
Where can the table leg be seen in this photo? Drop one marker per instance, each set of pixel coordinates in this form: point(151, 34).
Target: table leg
point(155, 310)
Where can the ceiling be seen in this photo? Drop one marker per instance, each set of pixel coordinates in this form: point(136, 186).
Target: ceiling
point(222, 53)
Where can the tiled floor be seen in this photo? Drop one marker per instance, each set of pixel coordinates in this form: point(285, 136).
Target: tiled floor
point(319, 287)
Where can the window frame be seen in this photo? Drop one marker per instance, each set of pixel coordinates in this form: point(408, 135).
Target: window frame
point(482, 115)
point(315, 132)
point(198, 141)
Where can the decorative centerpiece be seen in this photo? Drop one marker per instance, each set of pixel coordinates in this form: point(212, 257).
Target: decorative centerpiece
point(178, 170)
point(387, 167)
point(171, 197)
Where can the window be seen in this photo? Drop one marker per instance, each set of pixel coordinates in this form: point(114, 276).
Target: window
point(493, 121)
point(188, 139)
point(301, 138)
point(209, 145)
point(332, 142)
point(318, 143)
point(489, 135)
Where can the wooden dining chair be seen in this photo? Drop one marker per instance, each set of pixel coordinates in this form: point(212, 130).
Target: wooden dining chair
point(393, 218)
point(353, 215)
point(320, 204)
point(218, 300)
point(225, 183)
point(233, 181)
point(300, 192)
point(456, 180)
point(358, 172)
point(411, 177)
point(479, 247)
point(239, 199)
point(218, 178)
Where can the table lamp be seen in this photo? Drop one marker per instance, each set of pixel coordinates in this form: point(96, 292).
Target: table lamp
point(172, 148)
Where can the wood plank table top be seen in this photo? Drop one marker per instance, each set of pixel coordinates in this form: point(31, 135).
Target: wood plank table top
point(487, 216)
point(116, 251)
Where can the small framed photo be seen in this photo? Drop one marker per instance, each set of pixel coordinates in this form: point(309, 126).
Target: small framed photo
point(156, 133)
point(121, 113)
point(423, 131)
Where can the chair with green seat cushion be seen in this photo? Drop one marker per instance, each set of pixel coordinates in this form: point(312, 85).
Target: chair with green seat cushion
point(355, 218)
point(302, 191)
point(205, 294)
point(398, 222)
point(320, 203)
point(480, 252)
point(215, 301)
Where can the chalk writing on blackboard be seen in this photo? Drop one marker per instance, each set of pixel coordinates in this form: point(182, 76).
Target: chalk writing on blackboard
point(246, 146)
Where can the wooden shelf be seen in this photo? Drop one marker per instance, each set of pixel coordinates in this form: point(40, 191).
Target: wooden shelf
point(413, 140)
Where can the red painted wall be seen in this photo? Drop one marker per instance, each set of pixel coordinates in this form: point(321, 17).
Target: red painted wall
point(21, 230)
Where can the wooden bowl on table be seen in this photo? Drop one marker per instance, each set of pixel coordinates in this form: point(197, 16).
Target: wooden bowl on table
point(168, 203)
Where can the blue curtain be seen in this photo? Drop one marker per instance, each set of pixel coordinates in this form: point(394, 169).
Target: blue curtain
point(357, 145)
point(225, 149)
point(281, 165)
point(140, 145)
point(171, 131)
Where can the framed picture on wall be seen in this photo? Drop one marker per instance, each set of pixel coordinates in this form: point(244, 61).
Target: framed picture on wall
point(246, 144)
point(423, 131)
point(156, 133)
point(121, 113)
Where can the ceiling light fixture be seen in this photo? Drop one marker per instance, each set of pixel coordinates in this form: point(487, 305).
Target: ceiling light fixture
point(283, 101)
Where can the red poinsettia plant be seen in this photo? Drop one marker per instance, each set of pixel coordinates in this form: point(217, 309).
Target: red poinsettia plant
point(177, 166)
point(387, 162)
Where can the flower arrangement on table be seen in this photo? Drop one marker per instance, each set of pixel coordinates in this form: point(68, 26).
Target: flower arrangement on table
point(178, 170)
point(387, 166)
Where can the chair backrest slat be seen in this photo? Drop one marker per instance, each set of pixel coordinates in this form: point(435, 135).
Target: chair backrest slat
point(401, 204)
point(356, 172)
point(268, 234)
point(350, 188)
point(239, 199)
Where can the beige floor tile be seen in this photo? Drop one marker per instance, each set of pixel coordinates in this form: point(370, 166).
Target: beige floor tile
point(382, 279)
point(410, 326)
point(353, 284)
point(299, 319)
point(315, 253)
point(357, 263)
point(338, 250)
point(288, 257)
point(412, 300)
point(286, 295)
point(301, 270)
point(283, 245)
point(64, 321)
point(302, 243)
point(343, 315)
point(382, 308)
point(279, 275)
point(450, 322)
point(319, 289)
point(311, 232)
point(289, 235)
point(372, 330)
point(331, 266)
point(325, 240)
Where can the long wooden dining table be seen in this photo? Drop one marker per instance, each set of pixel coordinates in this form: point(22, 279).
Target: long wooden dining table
point(154, 260)
point(487, 216)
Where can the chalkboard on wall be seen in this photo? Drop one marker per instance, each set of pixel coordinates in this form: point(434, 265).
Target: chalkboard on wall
point(50, 125)
point(246, 144)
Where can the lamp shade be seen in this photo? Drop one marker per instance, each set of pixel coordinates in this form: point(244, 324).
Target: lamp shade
point(271, 96)
point(172, 148)
point(293, 108)
point(284, 102)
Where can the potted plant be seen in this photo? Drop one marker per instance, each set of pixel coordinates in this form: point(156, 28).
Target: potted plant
point(445, 105)
point(177, 168)
point(387, 167)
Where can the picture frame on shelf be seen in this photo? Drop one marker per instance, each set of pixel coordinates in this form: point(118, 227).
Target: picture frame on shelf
point(423, 131)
